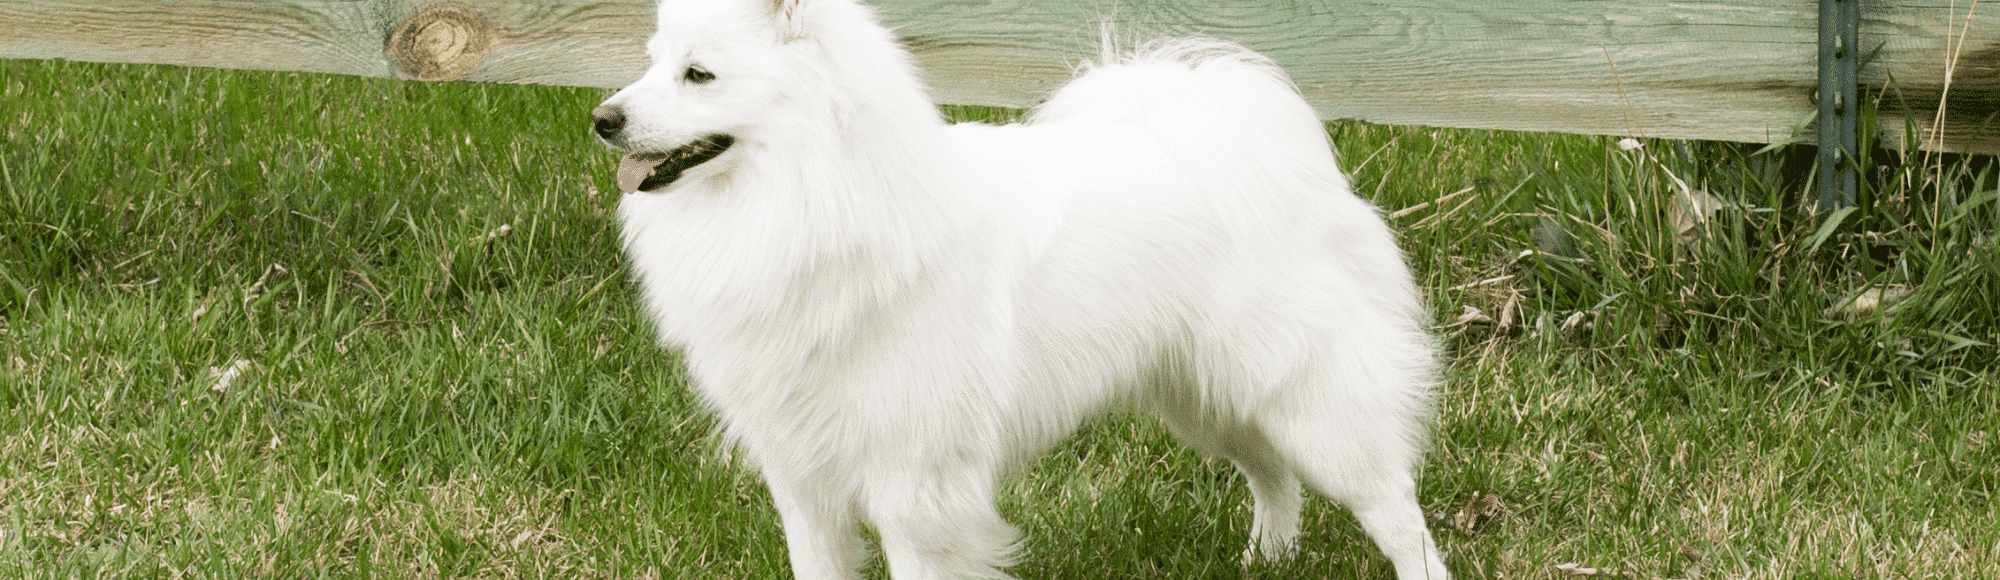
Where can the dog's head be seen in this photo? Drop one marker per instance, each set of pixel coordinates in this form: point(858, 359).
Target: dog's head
point(730, 75)
point(713, 74)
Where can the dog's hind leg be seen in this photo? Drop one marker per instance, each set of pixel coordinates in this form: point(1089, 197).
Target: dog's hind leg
point(1368, 466)
point(939, 523)
point(1274, 529)
point(822, 536)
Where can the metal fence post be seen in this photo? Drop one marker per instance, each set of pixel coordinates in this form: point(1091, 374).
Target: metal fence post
point(1839, 34)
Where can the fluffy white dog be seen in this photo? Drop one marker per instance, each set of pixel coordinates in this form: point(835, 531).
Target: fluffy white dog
point(888, 312)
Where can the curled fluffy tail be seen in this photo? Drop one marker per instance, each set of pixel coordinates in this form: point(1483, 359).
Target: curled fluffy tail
point(1178, 73)
point(1210, 103)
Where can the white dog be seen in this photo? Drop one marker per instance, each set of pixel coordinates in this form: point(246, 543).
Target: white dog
point(887, 312)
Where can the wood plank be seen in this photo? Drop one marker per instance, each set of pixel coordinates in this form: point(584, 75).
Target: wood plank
point(1738, 70)
point(561, 42)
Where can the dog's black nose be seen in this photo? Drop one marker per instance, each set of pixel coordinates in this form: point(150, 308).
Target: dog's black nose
point(608, 121)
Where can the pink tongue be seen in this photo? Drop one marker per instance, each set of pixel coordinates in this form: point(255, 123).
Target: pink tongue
point(634, 168)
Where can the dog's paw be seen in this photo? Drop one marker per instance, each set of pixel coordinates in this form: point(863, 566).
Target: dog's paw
point(1268, 554)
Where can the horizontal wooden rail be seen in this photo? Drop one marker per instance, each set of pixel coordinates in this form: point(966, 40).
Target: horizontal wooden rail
point(1739, 70)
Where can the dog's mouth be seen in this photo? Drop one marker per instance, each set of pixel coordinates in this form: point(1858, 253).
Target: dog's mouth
point(650, 171)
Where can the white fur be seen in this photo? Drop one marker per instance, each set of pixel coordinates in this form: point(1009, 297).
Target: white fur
point(887, 312)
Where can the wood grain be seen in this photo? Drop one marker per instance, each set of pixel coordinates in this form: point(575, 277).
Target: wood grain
point(1740, 70)
point(560, 42)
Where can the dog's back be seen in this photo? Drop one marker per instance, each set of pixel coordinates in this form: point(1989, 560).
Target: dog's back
point(1199, 254)
point(1187, 206)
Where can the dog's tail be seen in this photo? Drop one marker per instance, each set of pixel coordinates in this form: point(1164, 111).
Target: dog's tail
point(1211, 103)
point(1205, 90)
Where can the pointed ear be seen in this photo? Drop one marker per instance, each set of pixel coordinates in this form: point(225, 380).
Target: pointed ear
point(790, 16)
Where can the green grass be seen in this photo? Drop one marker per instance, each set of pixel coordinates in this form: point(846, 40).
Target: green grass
point(426, 398)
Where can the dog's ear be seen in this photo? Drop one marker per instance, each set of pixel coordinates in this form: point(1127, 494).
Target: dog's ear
point(791, 17)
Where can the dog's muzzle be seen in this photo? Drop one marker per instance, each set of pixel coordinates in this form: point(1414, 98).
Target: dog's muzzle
point(650, 171)
point(647, 171)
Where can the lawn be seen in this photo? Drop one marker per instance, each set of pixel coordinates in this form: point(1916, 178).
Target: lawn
point(284, 325)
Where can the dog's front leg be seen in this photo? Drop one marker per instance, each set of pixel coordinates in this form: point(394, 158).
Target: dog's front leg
point(821, 533)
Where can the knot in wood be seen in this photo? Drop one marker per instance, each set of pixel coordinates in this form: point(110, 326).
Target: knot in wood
point(441, 42)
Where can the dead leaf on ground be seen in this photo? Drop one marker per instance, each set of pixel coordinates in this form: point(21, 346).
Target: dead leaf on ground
point(1868, 301)
point(1575, 569)
point(1472, 315)
point(1480, 510)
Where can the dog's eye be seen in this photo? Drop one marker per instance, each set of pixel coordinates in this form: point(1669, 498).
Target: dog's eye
point(697, 75)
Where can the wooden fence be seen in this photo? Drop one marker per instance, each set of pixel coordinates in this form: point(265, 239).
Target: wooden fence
point(1740, 70)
